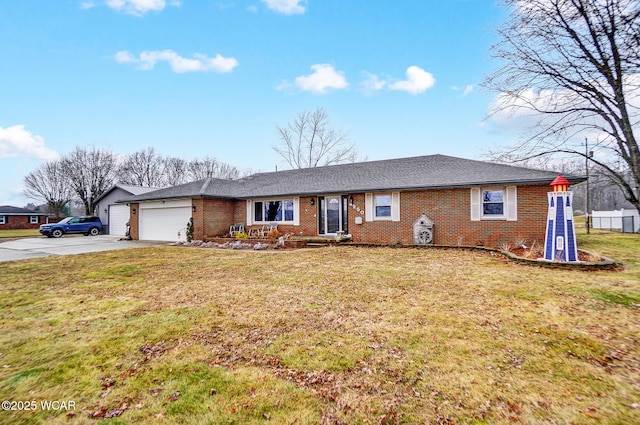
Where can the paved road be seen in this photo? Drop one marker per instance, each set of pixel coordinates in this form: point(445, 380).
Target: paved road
point(22, 249)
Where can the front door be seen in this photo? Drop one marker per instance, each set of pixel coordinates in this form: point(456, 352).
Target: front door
point(332, 214)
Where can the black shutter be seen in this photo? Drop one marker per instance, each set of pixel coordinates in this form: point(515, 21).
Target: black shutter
point(321, 230)
point(345, 214)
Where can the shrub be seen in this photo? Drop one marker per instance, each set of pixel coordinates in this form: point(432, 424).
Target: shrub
point(273, 234)
point(505, 246)
point(520, 242)
point(190, 230)
point(242, 235)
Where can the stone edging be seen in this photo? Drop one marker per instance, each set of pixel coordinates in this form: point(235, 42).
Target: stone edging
point(604, 264)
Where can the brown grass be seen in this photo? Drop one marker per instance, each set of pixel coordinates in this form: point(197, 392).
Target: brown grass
point(333, 335)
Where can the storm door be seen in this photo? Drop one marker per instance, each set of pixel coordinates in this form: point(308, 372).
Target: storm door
point(332, 214)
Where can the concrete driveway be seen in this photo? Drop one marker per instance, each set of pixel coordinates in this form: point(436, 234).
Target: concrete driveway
point(22, 249)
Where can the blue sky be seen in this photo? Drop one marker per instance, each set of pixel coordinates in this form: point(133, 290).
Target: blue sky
point(215, 77)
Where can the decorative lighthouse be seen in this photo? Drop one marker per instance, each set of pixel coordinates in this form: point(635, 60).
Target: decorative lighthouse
point(560, 240)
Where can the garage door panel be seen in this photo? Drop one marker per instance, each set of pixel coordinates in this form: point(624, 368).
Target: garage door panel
point(118, 218)
point(164, 224)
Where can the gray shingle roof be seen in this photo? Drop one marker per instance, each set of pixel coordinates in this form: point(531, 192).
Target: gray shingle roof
point(133, 190)
point(422, 172)
point(9, 210)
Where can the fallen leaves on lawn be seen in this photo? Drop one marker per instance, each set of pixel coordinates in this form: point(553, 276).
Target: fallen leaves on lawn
point(371, 335)
point(103, 412)
point(152, 351)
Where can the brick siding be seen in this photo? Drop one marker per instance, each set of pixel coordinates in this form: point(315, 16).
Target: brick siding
point(134, 213)
point(449, 209)
point(21, 222)
point(213, 217)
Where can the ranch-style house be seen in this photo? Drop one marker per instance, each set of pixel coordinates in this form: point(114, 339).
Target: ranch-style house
point(435, 199)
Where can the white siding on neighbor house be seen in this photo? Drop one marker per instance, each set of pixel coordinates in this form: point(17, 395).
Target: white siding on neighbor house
point(164, 221)
point(118, 218)
point(624, 220)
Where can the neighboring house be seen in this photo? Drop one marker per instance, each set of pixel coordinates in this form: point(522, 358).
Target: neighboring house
point(115, 216)
point(467, 202)
point(20, 218)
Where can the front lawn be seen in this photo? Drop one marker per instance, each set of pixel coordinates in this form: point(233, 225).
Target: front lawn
point(331, 335)
point(18, 233)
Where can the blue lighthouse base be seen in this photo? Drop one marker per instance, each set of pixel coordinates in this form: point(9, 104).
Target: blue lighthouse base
point(560, 240)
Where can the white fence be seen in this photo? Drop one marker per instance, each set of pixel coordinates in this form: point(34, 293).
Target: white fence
point(626, 221)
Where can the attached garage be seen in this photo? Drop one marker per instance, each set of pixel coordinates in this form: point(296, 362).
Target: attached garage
point(114, 214)
point(164, 220)
point(118, 218)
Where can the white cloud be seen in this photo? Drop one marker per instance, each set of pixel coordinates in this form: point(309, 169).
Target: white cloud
point(15, 141)
point(140, 7)
point(467, 90)
point(418, 80)
point(124, 57)
point(372, 83)
point(326, 77)
point(287, 7)
point(518, 114)
point(323, 78)
point(224, 5)
point(199, 63)
point(85, 5)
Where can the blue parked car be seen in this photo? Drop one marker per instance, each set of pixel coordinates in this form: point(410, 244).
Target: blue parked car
point(89, 225)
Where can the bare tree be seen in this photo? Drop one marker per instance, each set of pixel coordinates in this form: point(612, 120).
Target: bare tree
point(175, 171)
point(206, 167)
point(572, 69)
point(48, 184)
point(143, 168)
point(90, 172)
point(308, 142)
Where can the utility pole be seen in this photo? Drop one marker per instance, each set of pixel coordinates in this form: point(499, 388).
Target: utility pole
point(587, 154)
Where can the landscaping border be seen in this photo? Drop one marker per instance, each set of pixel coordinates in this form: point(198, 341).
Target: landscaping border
point(604, 264)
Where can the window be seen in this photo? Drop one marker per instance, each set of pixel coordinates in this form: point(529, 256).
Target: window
point(277, 210)
point(257, 212)
point(382, 204)
point(3, 219)
point(492, 203)
point(288, 210)
point(33, 219)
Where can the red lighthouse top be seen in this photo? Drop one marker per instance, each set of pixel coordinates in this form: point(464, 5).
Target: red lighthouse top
point(560, 184)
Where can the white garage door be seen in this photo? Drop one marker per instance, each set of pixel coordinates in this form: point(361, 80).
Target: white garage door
point(118, 217)
point(164, 222)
